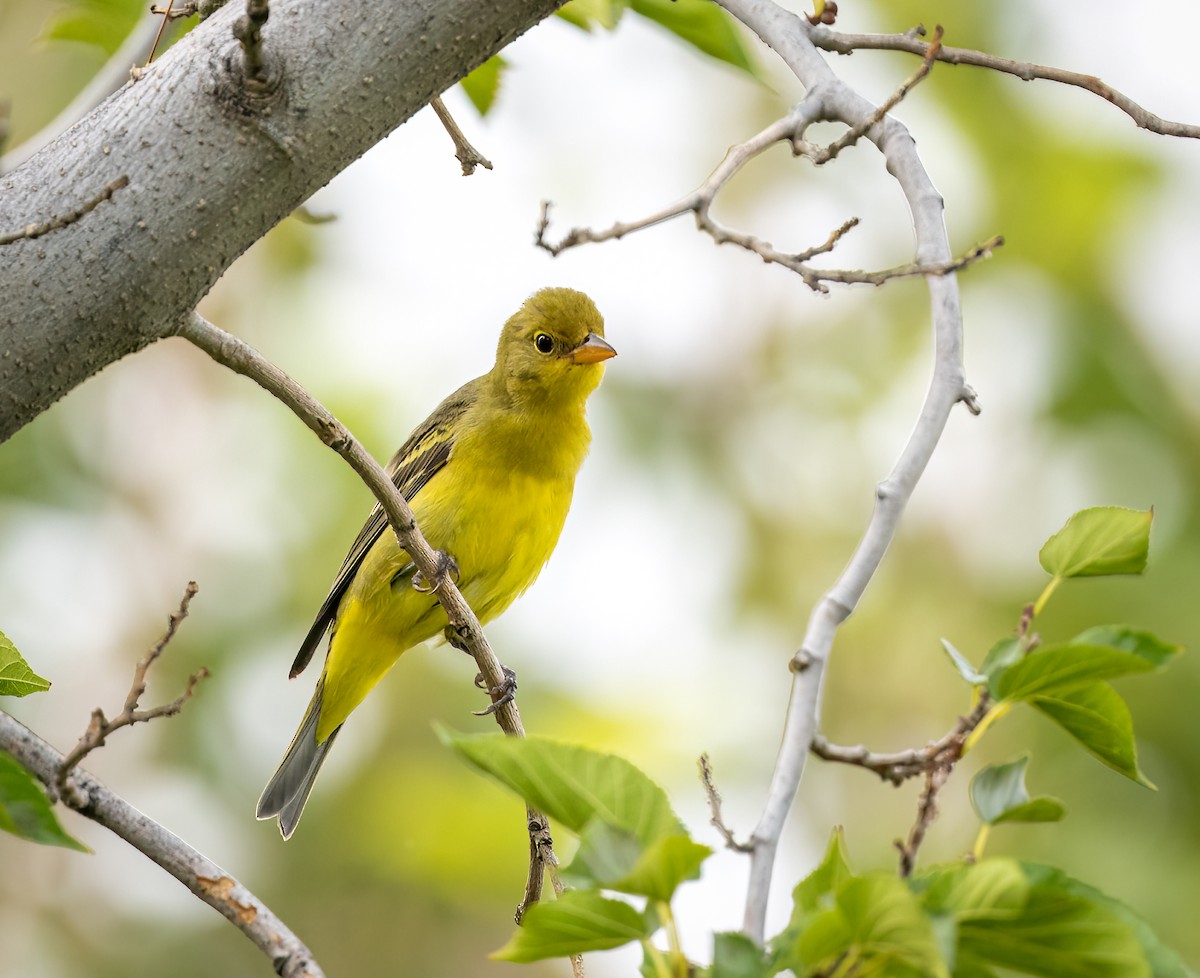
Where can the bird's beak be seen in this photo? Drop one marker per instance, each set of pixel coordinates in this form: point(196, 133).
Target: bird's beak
point(594, 349)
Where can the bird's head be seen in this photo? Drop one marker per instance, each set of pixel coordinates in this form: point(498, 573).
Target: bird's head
point(553, 350)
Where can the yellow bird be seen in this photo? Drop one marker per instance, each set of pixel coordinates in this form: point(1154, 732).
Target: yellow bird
point(489, 476)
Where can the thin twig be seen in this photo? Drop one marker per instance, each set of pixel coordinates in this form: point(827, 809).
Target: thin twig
point(100, 726)
point(166, 16)
point(248, 30)
point(935, 761)
point(203, 877)
point(306, 216)
point(840, 43)
point(898, 766)
point(171, 12)
point(949, 751)
point(205, 8)
point(699, 203)
point(464, 152)
point(714, 805)
point(243, 359)
point(927, 811)
point(856, 132)
point(37, 230)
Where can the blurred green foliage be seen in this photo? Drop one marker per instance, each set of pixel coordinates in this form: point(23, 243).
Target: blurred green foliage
point(781, 434)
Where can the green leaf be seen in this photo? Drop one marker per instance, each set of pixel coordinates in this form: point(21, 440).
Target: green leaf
point(994, 889)
point(572, 784)
point(1053, 669)
point(817, 888)
point(613, 859)
point(1151, 648)
point(998, 794)
point(736, 956)
point(586, 13)
point(813, 896)
point(605, 853)
point(26, 812)
point(880, 921)
point(702, 24)
point(1100, 541)
point(104, 23)
point(1164, 963)
point(1057, 934)
point(665, 864)
point(964, 667)
point(1098, 718)
point(1000, 656)
point(483, 84)
point(578, 921)
point(16, 678)
point(945, 935)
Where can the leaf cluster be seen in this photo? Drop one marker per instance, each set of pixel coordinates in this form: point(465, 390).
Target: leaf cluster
point(972, 918)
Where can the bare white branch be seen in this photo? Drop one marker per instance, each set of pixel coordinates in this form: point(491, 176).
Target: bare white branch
point(830, 98)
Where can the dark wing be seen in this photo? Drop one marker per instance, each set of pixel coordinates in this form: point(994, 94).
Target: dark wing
point(427, 450)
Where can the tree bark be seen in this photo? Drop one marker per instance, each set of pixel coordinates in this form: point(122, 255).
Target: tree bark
point(212, 162)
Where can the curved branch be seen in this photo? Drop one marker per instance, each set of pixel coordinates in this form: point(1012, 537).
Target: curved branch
point(911, 42)
point(203, 877)
point(833, 99)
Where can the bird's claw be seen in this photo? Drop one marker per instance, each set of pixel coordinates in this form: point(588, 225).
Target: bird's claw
point(501, 695)
point(447, 566)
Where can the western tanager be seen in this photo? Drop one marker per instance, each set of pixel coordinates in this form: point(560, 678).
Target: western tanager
point(489, 476)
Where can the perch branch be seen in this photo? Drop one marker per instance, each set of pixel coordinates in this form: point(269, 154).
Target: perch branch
point(241, 358)
point(464, 152)
point(203, 877)
point(100, 726)
point(839, 43)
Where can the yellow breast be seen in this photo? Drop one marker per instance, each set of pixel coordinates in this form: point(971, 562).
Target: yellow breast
point(497, 507)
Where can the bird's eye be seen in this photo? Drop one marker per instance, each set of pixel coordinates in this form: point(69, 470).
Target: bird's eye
point(543, 343)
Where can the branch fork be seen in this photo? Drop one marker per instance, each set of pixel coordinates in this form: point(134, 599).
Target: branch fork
point(99, 727)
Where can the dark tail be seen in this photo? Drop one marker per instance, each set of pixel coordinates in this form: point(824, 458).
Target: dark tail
point(286, 792)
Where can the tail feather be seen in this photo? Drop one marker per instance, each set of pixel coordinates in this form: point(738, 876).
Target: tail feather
point(288, 790)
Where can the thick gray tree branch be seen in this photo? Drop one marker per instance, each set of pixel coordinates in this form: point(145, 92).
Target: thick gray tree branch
point(212, 165)
point(203, 877)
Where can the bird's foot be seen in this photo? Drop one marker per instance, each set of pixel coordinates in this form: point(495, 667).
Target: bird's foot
point(447, 567)
point(502, 694)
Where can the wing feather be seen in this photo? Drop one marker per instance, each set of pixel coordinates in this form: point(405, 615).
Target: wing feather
point(419, 459)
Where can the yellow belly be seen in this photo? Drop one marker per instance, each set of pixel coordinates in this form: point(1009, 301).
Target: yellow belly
point(500, 530)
